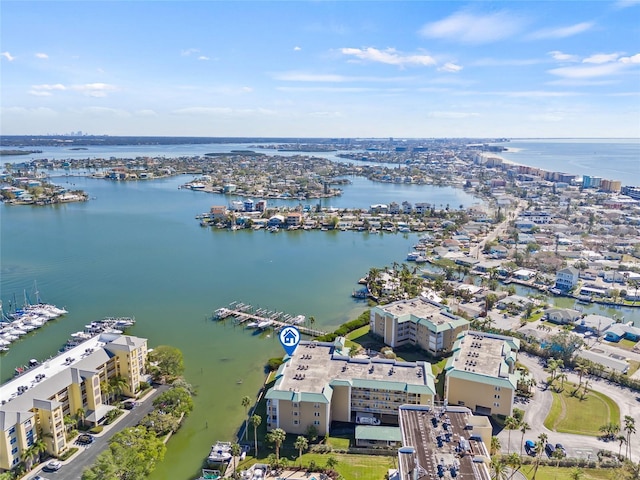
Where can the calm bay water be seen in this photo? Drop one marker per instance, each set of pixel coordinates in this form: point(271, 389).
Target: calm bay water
point(612, 159)
point(137, 250)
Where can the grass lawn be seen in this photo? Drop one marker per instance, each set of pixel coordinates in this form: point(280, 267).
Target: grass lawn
point(633, 367)
point(354, 467)
point(562, 473)
point(569, 414)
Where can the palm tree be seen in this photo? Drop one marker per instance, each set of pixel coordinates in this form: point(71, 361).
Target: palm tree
point(514, 461)
point(629, 428)
point(277, 436)
point(622, 439)
point(118, 385)
point(498, 469)
point(80, 413)
point(582, 370)
point(105, 390)
point(312, 320)
point(256, 420)
point(236, 450)
point(562, 376)
point(495, 445)
point(246, 401)
point(542, 441)
point(524, 428)
point(301, 444)
point(510, 424)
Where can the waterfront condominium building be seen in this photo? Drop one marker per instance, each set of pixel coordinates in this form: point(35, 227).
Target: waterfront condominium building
point(320, 383)
point(481, 373)
point(35, 404)
point(418, 321)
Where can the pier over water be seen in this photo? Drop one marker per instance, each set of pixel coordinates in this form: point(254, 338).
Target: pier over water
point(262, 318)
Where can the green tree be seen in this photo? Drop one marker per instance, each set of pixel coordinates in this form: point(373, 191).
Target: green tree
point(256, 420)
point(137, 451)
point(105, 468)
point(301, 444)
point(498, 469)
point(175, 400)
point(312, 432)
point(236, 450)
point(277, 436)
point(246, 402)
point(332, 462)
point(169, 361)
point(80, 413)
point(161, 422)
point(629, 429)
point(510, 424)
point(495, 446)
point(118, 385)
point(105, 390)
point(576, 473)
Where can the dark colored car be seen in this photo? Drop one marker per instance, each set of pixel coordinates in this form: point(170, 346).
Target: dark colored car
point(549, 448)
point(85, 439)
point(530, 447)
point(560, 447)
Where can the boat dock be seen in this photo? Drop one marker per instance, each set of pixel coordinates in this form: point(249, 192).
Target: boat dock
point(261, 318)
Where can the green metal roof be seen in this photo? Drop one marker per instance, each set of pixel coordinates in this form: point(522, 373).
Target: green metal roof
point(508, 382)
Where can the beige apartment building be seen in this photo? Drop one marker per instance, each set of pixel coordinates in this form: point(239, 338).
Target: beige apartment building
point(418, 321)
point(320, 383)
point(35, 403)
point(481, 373)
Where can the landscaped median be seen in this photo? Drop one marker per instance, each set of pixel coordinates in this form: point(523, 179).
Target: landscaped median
point(575, 412)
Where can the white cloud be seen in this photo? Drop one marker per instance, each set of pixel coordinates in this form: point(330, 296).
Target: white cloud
point(390, 56)
point(467, 27)
point(600, 58)
point(42, 56)
point(563, 57)
point(505, 62)
point(325, 114)
point(328, 89)
point(94, 89)
point(297, 49)
point(146, 113)
point(38, 112)
point(450, 67)
point(8, 56)
point(246, 89)
point(586, 71)
point(632, 59)
point(561, 32)
point(203, 111)
point(203, 57)
point(45, 90)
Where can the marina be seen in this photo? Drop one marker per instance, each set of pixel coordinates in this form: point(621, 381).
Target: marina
point(261, 318)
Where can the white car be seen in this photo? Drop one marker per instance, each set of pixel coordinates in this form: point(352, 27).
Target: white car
point(52, 466)
point(368, 420)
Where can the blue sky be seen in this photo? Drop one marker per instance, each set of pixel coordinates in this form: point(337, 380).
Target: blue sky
point(321, 69)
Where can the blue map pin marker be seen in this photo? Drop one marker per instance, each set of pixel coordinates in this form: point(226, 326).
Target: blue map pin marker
point(289, 338)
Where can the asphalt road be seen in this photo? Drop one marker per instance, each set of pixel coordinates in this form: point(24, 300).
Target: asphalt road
point(86, 456)
point(581, 446)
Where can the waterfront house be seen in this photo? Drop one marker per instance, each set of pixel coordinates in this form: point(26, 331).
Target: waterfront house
point(276, 221)
point(567, 278)
point(517, 302)
point(293, 219)
point(594, 323)
point(562, 316)
point(481, 373)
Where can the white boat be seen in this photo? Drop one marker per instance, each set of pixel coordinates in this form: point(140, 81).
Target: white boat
point(252, 324)
point(413, 256)
point(220, 453)
point(264, 324)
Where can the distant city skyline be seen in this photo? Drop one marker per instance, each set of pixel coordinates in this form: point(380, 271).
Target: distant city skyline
point(321, 69)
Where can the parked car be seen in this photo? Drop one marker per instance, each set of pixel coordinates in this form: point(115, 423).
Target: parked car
point(52, 466)
point(530, 447)
point(39, 477)
point(560, 447)
point(549, 448)
point(85, 439)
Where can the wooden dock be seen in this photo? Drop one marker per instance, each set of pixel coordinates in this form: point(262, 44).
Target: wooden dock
point(243, 313)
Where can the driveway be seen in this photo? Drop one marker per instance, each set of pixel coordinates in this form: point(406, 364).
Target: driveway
point(538, 407)
point(73, 467)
